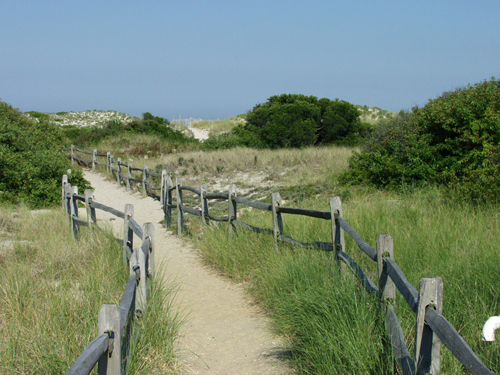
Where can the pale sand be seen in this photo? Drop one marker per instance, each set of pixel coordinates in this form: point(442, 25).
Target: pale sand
point(225, 333)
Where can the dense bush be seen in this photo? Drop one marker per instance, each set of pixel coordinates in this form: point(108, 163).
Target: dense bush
point(291, 120)
point(31, 160)
point(451, 141)
point(148, 124)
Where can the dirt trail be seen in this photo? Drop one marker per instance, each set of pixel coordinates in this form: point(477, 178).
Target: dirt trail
point(224, 333)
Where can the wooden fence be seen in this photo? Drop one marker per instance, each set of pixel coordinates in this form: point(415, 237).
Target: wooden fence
point(110, 349)
point(432, 328)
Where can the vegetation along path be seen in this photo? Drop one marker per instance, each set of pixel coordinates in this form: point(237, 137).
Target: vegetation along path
point(224, 332)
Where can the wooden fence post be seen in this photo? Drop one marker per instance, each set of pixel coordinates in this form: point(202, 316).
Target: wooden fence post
point(337, 232)
point(118, 179)
point(72, 155)
point(89, 195)
point(128, 233)
point(64, 182)
point(427, 344)
point(277, 218)
point(141, 291)
point(168, 202)
point(385, 248)
point(162, 191)
point(232, 208)
point(204, 204)
point(74, 211)
point(144, 180)
point(108, 321)
point(94, 159)
point(129, 176)
point(108, 161)
point(67, 199)
point(180, 215)
point(148, 230)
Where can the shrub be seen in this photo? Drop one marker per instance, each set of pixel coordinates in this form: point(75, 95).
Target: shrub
point(31, 160)
point(291, 120)
point(452, 141)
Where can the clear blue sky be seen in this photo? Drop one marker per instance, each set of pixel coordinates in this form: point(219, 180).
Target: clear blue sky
point(215, 59)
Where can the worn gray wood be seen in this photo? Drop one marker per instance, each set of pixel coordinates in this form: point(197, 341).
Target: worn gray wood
point(455, 343)
point(427, 344)
point(108, 320)
point(74, 211)
point(135, 227)
point(129, 175)
point(111, 210)
point(94, 159)
point(366, 282)
point(90, 356)
point(72, 155)
point(232, 208)
point(257, 205)
point(367, 249)
point(127, 305)
point(144, 180)
point(397, 340)
point(64, 182)
point(180, 215)
point(305, 212)
point(162, 193)
point(141, 293)
point(148, 231)
point(204, 204)
point(118, 179)
point(167, 207)
point(407, 290)
point(108, 162)
point(385, 249)
point(277, 218)
point(128, 233)
point(337, 232)
point(89, 196)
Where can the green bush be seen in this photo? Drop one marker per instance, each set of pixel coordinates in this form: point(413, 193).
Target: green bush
point(451, 141)
point(291, 120)
point(31, 160)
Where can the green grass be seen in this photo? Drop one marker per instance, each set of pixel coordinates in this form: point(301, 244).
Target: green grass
point(51, 290)
point(333, 325)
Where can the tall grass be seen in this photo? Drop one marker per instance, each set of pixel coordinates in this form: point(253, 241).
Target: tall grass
point(333, 325)
point(51, 290)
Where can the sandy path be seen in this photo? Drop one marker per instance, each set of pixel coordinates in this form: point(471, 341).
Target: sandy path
point(224, 333)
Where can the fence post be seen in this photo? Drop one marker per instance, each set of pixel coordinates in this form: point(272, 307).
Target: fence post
point(232, 208)
point(108, 321)
point(141, 291)
point(148, 230)
point(72, 155)
point(67, 199)
point(94, 159)
point(108, 161)
point(168, 202)
point(385, 249)
point(277, 218)
point(337, 232)
point(128, 233)
point(162, 191)
point(64, 182)
point(144, 180)
point(204, 204)
point(129, 175)
point(180, 215)
point(427, 344)
point(89, 195)
point(73, 210)
point(119, 171)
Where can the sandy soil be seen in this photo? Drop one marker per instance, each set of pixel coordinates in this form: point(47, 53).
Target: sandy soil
point(200, 134)
point(224, 333)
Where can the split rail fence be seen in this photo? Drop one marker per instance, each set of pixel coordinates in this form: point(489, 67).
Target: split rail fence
point(110, 350)
point(432, 328)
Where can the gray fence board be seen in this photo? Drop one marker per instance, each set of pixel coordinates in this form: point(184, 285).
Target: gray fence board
point(90, 356)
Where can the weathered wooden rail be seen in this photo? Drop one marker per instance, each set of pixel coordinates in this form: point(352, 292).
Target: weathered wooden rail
point(115, 323)
point(432, 328)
